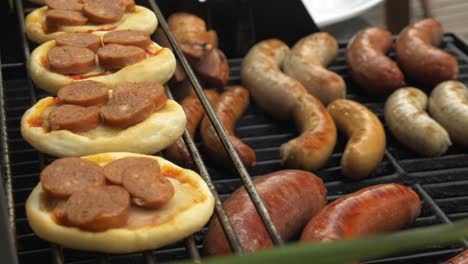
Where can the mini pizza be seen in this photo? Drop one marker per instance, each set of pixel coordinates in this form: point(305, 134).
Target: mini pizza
point(117, 203)
point(86, 118)
point(119, 56)
point(97, 16)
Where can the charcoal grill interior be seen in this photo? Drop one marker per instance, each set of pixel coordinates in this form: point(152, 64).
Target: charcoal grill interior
point(441, 181)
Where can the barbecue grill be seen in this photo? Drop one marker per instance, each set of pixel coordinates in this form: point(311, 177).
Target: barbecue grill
point(441, 182)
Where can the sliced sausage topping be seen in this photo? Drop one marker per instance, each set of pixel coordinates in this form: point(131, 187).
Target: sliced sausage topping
point(72, 5)
point(129, 5)
point(71, 60)
point(127, 109)
point(151, 90)
point(127, 37)
point(98, 208)
point(79, 39)
point(65, 18)
point(65, 176)
point(84, 93)
point(148, 188)
point(115, 56)
point(74, 118)
point(103, 11)
point(114, 171)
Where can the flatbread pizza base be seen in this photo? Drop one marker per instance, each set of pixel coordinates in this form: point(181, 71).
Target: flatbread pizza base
point(157, 68)
point(157, 132)
point(186, 213)
point(142, 19)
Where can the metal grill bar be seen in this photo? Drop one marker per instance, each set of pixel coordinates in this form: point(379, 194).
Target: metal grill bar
point(249, 186)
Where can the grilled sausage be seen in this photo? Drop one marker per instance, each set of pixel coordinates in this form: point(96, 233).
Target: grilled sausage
point(372, 210)
point(461, 258)
point(98, 208)
point(71, 60)
point(214, 68)
point(448, 104)
point(127, 37)
point(115, 56)
point(179, 74)
point(291, 197)
point(72, 5)
point(419, 57)
point(84, 93)
point(65, 176)
point(178, 152)
point(307, 63)
point(407, 119)
point(368, 66)
point(103, 11)
point(115, 170)
point(79, 39)
point(311, 149)
point(366, 144)
point(274, 91)
point(65, 18)
point(229, 109)
point(74, 118)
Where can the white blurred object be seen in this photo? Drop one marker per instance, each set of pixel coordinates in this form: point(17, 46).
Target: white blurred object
point(327, 12)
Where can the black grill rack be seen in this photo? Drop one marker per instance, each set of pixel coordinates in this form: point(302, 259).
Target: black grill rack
point(441, 182)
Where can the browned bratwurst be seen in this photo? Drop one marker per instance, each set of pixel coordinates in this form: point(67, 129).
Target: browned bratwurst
point(419, 57)
point(229, 109)
point(79, 39)
point(372, 210)
point(291, 197)
point(461, 258)
point(214, 68)
point(178, 152)
point(374, 72)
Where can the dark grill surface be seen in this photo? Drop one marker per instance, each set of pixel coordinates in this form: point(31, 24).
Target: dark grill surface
point(443, 178)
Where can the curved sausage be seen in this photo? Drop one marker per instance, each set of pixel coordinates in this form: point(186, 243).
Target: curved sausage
point(368, 66)
point(84, 93)
point(65, 176)
point(72, 5)
point(214, 68)
point(178, 152)
point(154, 91)
point(103, 11)
point(79, 39)
point(461, 258)
point(311, 150)
point(418, 55)
point(115, 170)
point(291, 197)
point(127, 109)
point(98, 208)
point(229, 109)
point(307, 63)
point(148, 188)
point(65, 18)
point(127, 37)
point(74, 118)
point(407, 119)
point(115, 56)
point(372, 210)
point(274, 91)
point(366, 144)
point(448, 104)
point(71, 60)
point(179, 74)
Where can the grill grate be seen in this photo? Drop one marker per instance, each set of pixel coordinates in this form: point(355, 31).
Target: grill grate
point(440, 181)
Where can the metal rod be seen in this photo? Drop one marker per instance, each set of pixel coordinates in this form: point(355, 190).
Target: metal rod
point(219, 209)
point(12, 65)
point(249, 186)
point(149, 259)
point(192, 249)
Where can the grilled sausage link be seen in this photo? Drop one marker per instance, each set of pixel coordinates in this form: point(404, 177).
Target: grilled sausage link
point(368, 66)
point(310, 151)
point(229, 109)
point(419, 57)
point(448, 104)
point(291, 197)
point(366, 145)
point(461, 258)
point(307, 63)
point(406, 117)
point(274, 91)
point(178, 152)
point(372, 210)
